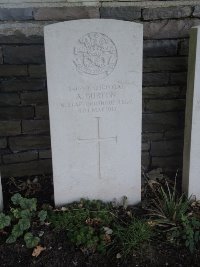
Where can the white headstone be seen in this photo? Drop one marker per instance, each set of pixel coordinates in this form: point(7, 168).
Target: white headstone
point(191, 157)
point(94, 73)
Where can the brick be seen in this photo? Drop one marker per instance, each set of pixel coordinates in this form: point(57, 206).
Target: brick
point(20, 157)
point(167, 163)
point(166, 148)
point(20, 143)
point(146, 146)
point(37, 71)
point(155, 79)
point(8, 128)
point(161, 92)
point(169, 29)
point(158, 122)
point(184, 47)
point(42, 112)
point(179, 134)
point(32, 54)
point(13, 70)
point(179, 78)
point(123, 13)
point(35, 126)
point(165, 64)
point(167, 12)
point(196, 12)
point(45, 154)
point(3, 143)
point(157, 48)
point(16, 113)
point(165, 105)
point(38, 97)
point(28, 168)
point(65, 13)
point(9, 99)
point(16, 14)
point(17, 85)
point(145, 160)
point(147, 137)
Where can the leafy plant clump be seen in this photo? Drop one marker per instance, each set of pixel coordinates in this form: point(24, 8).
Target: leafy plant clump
point(20, 218)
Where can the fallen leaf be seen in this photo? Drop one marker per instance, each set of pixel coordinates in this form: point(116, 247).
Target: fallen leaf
point(37, 251)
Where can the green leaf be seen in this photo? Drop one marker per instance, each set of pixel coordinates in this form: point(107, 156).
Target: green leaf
point(28, 204)
point(11, 239)
point(16, 199)
point(30, 240)
point(24, 224)
point(25, 214)
point(4, 220)
point(42, 215)
point(17, 231)
point(16, 213)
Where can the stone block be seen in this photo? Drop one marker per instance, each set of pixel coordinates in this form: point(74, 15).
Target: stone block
point(174, 134)
point(1, 56)
point(45, 154)
point(167, 12)
point(42, 112)
point(179, 78)
point(145, 160)
point(38, 167)
point(20, 143)
point(65, 13)
point(16, 113)
point(169, 29)
point(37, 71)
point(147, 137)
point(13, 70)
point(196, 12)
point(3, 143)
point(158, 122)
point(31, 54)
point(16, 14)
point(145, 146)
point(166, 148)
point(165, 64)
point(160, 92)
point(35, 126)
point(20, 157)
point(157, 48)
point(184, 47)
point(23, 84)
point(168, 164)
point(8, 128)
point(165, 105)
point(123, 13)
point(155, 79)
point(9, 99)
point(31, 98)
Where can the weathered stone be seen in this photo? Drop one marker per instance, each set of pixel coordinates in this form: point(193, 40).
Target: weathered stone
point(27, 168)
point(42, 112)
point(167, 12)
point(15, 85)
point(8, 128)
point(65, 13)
point(156, 48)
point(146, 146)
point(37, 71)
point(9, 99)
point(167, 163)
point(165, 105)
point(123, 13)
point(3, 143)
point(184, 47)
point(13, 70)
point(16, 14)
point(37, 97)
point(147, 137)
point(169, 29)
point(35, 126)
point(20, 157)
point(31, 54)
point(1, 56)
point(166, 148)
point(155, 79)
point(161, 92)
point(45, 154)
point(145, 160)
point(19, 143)
point(174, 134)
point(179, 78)
point(165, 64)
point(16, 113)
point(157, 122)
point(196, 12)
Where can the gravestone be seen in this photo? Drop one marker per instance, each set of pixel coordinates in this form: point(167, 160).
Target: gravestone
point(191, 157)
point(94, 73)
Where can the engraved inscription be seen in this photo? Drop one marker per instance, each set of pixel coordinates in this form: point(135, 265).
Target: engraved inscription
point(95, 54)
point(98, 140)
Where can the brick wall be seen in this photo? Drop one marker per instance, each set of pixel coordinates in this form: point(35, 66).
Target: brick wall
point(24, 122)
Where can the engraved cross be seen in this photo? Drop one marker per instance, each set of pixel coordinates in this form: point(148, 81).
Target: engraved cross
point(98, 140)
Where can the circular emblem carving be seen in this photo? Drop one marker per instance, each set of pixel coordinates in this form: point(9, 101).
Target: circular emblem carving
point(95, 54)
